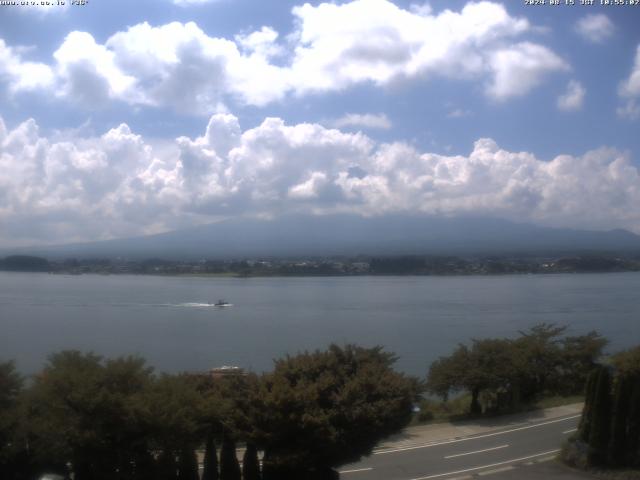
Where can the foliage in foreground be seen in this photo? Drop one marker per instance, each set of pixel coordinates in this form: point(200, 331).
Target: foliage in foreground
point(502, 374)
point(115, 419)
point(609, 432)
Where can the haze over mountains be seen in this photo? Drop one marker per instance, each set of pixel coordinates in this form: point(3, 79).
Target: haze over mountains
point(349, 235)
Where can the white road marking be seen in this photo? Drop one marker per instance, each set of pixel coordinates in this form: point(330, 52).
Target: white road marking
point(356, 470)
point(477, 451)
point(546, 459)
point(427, 445)
point(486, 466)
point(570, 431)
point(496, 470)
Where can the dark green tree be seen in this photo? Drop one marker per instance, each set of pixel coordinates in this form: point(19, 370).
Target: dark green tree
point(537, 361)
point(617, 443)
point(188, 465)
point(327, 408)
point(627, 362)
point(87, 411)
point(250, 463)
point(633, 425)
point(12, 453)
point(578, 357)
point(485, 366)
point(166, 466)
point(586, 420)
point(229, 466)
point(210, 471)
point(601, 419)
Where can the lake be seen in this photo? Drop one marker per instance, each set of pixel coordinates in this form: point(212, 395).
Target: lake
point(167, 319)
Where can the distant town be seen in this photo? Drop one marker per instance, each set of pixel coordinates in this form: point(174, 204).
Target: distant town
point(396, 265)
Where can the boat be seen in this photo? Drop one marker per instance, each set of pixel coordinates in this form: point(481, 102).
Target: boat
point(222, 303)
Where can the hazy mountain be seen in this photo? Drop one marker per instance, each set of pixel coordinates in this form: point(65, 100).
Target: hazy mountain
point(352, 235)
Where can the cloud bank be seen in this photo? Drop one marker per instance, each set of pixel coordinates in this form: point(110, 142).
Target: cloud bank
point(121, 184)
point(331, 48)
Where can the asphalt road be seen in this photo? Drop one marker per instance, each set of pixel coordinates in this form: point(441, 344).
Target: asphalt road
point(494, 452)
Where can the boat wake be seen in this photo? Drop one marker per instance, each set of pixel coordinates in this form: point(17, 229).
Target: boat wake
point(196, 305)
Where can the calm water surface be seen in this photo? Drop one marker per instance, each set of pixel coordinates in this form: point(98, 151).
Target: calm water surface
point(419, 318)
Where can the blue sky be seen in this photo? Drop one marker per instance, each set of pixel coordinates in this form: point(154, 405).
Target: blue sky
point(128, 118)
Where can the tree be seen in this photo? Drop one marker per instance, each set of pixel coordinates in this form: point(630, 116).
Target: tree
point(601, 419)
point(486, 366)
point(250, 463)
point(509, 372)
point(578, 357)
point(627, 362)
point(166, 466)
point(447, 373)
point(538, 360)
point(10, 389)
point(175, 413)
point(89, 412)
point(210, 471)
point(326, 408)
point(586, 420)
point(633, 425)
point(621, 404)
point(229, 466)
point(188, 465)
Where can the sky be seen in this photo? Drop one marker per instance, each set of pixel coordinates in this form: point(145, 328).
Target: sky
point(121, 118)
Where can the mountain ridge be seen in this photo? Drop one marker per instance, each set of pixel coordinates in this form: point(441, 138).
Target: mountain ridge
point(350, 235)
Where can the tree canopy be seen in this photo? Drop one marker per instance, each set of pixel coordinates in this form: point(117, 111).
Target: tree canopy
point(507, 372)
point(327, 408)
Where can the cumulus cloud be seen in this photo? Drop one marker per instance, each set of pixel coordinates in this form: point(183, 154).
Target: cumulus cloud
point(331, 47)
point(22, 75)
point(573, 98)
point(118, 184)
point(630, 91)
point(595, 28)
point(365, 120)
point(520, 68)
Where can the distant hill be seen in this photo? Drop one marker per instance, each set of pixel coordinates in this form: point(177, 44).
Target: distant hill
point(296, 235)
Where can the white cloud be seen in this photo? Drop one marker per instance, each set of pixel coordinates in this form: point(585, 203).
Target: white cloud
point(20, 75)
point(630, 91)
point(520, 68)
point(118, 184)
point(595, 28)
point(376, 41)
point(459, 113)
point(631, 86)
point(573, 98)
point(365, 120)
point(332, 47)
point(630, 110)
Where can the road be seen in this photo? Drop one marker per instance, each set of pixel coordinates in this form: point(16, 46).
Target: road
point(462, 457)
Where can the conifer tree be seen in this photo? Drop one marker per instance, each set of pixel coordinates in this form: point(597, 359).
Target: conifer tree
point(250, 463)
point(210, 471)
point(633, 425)
point(188, 465)
point(166, 466)
point(587, 411)
point(601, 420)
point(229, 466)
point(617, 443)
